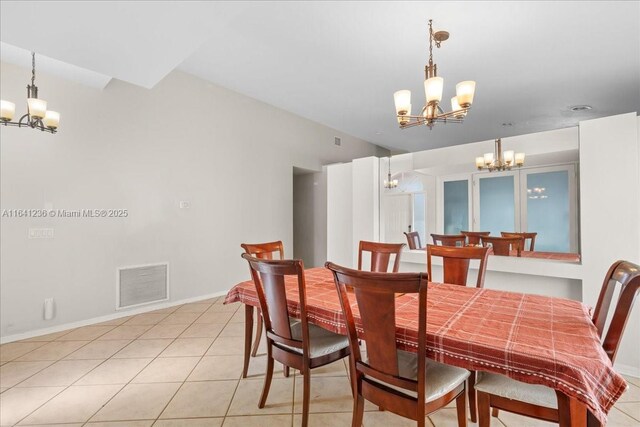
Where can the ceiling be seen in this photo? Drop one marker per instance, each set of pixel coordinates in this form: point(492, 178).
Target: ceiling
point(338, 63)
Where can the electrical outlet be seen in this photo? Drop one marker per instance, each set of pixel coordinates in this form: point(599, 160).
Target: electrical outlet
point(41, 233)
point(185, 204)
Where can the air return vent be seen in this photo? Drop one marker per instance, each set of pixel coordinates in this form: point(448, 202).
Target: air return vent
point(142, 285)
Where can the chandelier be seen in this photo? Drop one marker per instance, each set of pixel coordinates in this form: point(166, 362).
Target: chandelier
point(390, 183)
point(499, 161)
point(432, 112)
point(37, 117)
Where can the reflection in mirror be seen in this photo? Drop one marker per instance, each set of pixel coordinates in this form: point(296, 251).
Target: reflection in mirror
point(404, 210)
point(539, 199)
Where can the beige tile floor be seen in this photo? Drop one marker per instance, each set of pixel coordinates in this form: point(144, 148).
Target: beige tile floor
point(181, 366)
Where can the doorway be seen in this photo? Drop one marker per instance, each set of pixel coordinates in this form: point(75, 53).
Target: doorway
point(309, 217)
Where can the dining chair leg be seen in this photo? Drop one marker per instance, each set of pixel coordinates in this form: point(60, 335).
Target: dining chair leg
point(285, 370)
point(256, 343)
point(461, 409)
point(592, 421)
point(248, 332)
point(306, 395)
point(358, 411)
point(267, 378)
point(484, 409)
point(473, 403)
point(495, 412)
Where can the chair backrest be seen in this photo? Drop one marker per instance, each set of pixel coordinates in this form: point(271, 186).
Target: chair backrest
point(531, 237)
point(449, 239)
point(375, 295)
point(264, 250)
point(455, 263)
point(627, 275)
point(473, 237)
point(269, 279)
point(413, 240)
point(380, 255)
point(503, 245)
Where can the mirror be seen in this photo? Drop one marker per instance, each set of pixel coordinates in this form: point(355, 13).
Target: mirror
point(541, 198)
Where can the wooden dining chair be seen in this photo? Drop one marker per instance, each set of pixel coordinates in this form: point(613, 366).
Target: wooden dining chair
point(295, 343)
point(262, 251)
point(537, 401)
point(528, 237)
point(449, 239)
point(405, 383)
point(380, 255)
point(473, 237)
point(413, 240)
point(455, 263)
point(503, 245)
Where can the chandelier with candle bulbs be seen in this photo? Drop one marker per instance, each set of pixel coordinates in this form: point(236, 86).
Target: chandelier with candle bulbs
point(432, 113)
point(390, 183)
point(499, 161)
point(37, 117)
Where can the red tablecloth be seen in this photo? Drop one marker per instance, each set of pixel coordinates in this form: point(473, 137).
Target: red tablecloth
point(530, 338)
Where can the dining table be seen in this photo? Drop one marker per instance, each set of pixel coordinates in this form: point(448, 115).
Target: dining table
point(530, 338)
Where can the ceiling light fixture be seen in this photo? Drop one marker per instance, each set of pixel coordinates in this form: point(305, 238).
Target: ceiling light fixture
point(498, 161)
point(579, 108)
point(37, 117)
point(390, 183)
point(431, 112)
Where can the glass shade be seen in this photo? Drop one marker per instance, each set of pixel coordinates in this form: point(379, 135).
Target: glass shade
point(37, 107)
point(479, 162)
point(508, 157)
point(454, 104)
point(51, 119)
point(465, 91)
point(7, 110)
point(488, 158)
point(433, 89)
point(519, 159)
point(402, 99)
point(455, 107)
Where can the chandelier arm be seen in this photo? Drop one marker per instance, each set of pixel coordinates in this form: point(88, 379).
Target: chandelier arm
point(413, 124)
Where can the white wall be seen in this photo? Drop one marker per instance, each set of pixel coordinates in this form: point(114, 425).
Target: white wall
point(340, 214)
point(610, 212)
point(145, 150)
point(366, 203)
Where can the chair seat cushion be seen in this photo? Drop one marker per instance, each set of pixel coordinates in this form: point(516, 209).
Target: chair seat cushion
point(321, 341)
point(440, 378)
point(504, 386)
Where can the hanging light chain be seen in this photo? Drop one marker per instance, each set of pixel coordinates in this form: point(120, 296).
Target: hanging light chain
point(33, 68)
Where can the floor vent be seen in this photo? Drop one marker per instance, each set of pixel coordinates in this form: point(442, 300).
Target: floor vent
point(142, 285)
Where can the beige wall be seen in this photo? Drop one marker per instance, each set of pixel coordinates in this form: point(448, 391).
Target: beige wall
point(126, 147)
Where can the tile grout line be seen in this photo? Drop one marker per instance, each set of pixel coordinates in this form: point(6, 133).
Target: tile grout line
point(56, 361)
point(150, 362)
point(67, 387)
point(196, 365)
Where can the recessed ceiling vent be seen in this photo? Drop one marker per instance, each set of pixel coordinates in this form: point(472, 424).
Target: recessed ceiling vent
point(142, 285)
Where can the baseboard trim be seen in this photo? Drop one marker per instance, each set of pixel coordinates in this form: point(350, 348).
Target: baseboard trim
point(106, 318)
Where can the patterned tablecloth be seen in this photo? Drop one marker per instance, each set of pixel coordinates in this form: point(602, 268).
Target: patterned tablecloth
point(530, 338)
